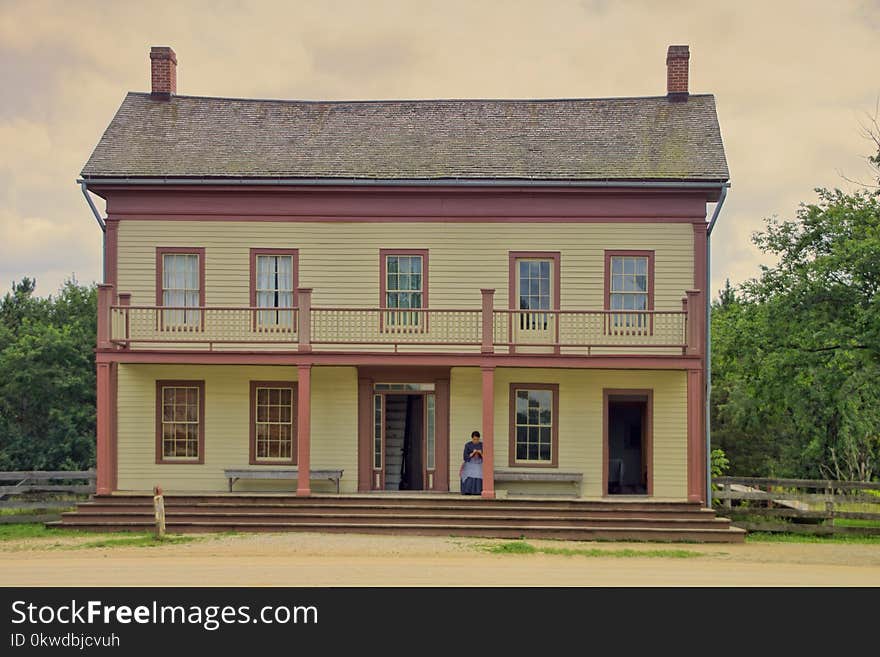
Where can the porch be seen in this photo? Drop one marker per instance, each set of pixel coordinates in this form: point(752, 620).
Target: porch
point(478, 330)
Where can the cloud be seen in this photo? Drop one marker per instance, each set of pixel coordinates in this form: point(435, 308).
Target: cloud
point(792, 79)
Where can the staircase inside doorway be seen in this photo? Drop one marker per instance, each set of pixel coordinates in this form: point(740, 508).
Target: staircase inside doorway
point(395, 428)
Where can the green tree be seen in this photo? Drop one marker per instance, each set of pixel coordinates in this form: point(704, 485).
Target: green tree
point(796, 352)
point(47, 378)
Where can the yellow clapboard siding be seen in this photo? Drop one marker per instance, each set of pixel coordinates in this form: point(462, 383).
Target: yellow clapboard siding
point(580, 422)
point(341, 260)
point(227, 417)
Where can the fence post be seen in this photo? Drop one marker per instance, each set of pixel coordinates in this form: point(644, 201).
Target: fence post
point(488, 315)
point(304, 326)
point(159, 508)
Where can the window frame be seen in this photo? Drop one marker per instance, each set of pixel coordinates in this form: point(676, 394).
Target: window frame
point(161, 252)
point(609, 254)
point(556, 277)
point(252, 285)
point(161, 459)
point(554, 428)
point(630, 253)
point(383, 282)
point(252, 450)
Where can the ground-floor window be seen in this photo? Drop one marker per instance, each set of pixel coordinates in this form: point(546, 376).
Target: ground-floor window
point(273, 424)
point(180, 421)
point(534, 435)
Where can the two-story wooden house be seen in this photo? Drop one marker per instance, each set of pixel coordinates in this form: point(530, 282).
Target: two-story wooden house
point(296, 286)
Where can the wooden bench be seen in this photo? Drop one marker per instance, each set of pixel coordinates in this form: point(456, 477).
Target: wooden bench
point(281, 473)
point(551, 476)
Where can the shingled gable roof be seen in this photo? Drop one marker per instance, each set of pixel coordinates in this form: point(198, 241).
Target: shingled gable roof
point(649, 138)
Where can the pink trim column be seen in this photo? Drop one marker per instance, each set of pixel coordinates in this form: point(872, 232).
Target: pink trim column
point(105, 300)
point(488, 432)
point(696, 461)
point(103, 430)
point(488, 315)
point(304, 324)
point(303, 429)
point(695, 322)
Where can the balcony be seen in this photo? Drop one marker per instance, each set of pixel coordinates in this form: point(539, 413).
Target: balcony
point(483, 330)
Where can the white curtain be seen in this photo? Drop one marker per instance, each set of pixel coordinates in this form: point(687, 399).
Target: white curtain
point(275, 290)
point(181, 288)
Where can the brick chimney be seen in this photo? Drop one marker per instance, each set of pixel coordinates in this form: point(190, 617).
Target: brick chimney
point(163, 64)
point(677, 58)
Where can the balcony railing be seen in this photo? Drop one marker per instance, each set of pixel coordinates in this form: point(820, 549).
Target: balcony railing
point(463, 330)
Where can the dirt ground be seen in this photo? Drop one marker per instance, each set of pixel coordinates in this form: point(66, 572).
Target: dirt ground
point(363, 560)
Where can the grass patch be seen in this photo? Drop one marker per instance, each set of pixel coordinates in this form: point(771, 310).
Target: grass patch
point(36, 530)
point(522, 547)
point(138, 540)
point(35, 511)
point(783, 537)
point(27, 530)
point(856, 522)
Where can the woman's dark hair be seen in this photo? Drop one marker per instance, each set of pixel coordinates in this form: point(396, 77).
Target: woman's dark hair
point(475, 433)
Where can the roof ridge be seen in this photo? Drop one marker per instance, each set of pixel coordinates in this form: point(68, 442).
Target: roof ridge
point(416, 100)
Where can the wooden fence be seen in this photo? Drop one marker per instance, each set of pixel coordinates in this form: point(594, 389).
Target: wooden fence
point(808, 506)
point(43, 492)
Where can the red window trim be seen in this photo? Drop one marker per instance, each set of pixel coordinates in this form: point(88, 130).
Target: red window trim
point(163, 250)
point(383, 279)
point(252, 456)
point(160, 457)
point(294, 253)
point(648, 394)
point(643, 254)
point(383, 253)
point(554, 430)
point(555, 256)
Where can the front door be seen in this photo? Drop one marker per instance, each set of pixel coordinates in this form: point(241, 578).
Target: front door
point(404, 441)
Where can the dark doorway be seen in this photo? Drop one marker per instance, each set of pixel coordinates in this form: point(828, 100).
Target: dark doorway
point(404, 442)
point(627, 445)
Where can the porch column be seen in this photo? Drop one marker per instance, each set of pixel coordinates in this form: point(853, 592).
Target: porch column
point(696, 457)
point(304, 318)
point(103, 429)
point(696, 322)
point(488, 432)
point(488, 315)
point(303, 429)
point(105, 300)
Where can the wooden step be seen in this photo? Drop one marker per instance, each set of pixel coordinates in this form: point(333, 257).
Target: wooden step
point(249, 517)
point(614, 533)
point(628, 519)
point(426, 509)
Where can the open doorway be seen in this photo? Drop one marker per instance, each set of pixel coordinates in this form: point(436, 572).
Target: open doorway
point(628, 442)
point(404, 442)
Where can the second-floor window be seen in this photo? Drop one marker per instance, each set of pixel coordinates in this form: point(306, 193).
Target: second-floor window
point(273, 285)
point(630, 288)
point(180, 287)
point(404, 288)
point(535, 289)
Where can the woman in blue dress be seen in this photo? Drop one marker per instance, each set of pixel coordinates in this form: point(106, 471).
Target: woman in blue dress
point(472, 469)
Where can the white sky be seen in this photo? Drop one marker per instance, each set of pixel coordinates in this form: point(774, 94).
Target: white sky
point(793, 82)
